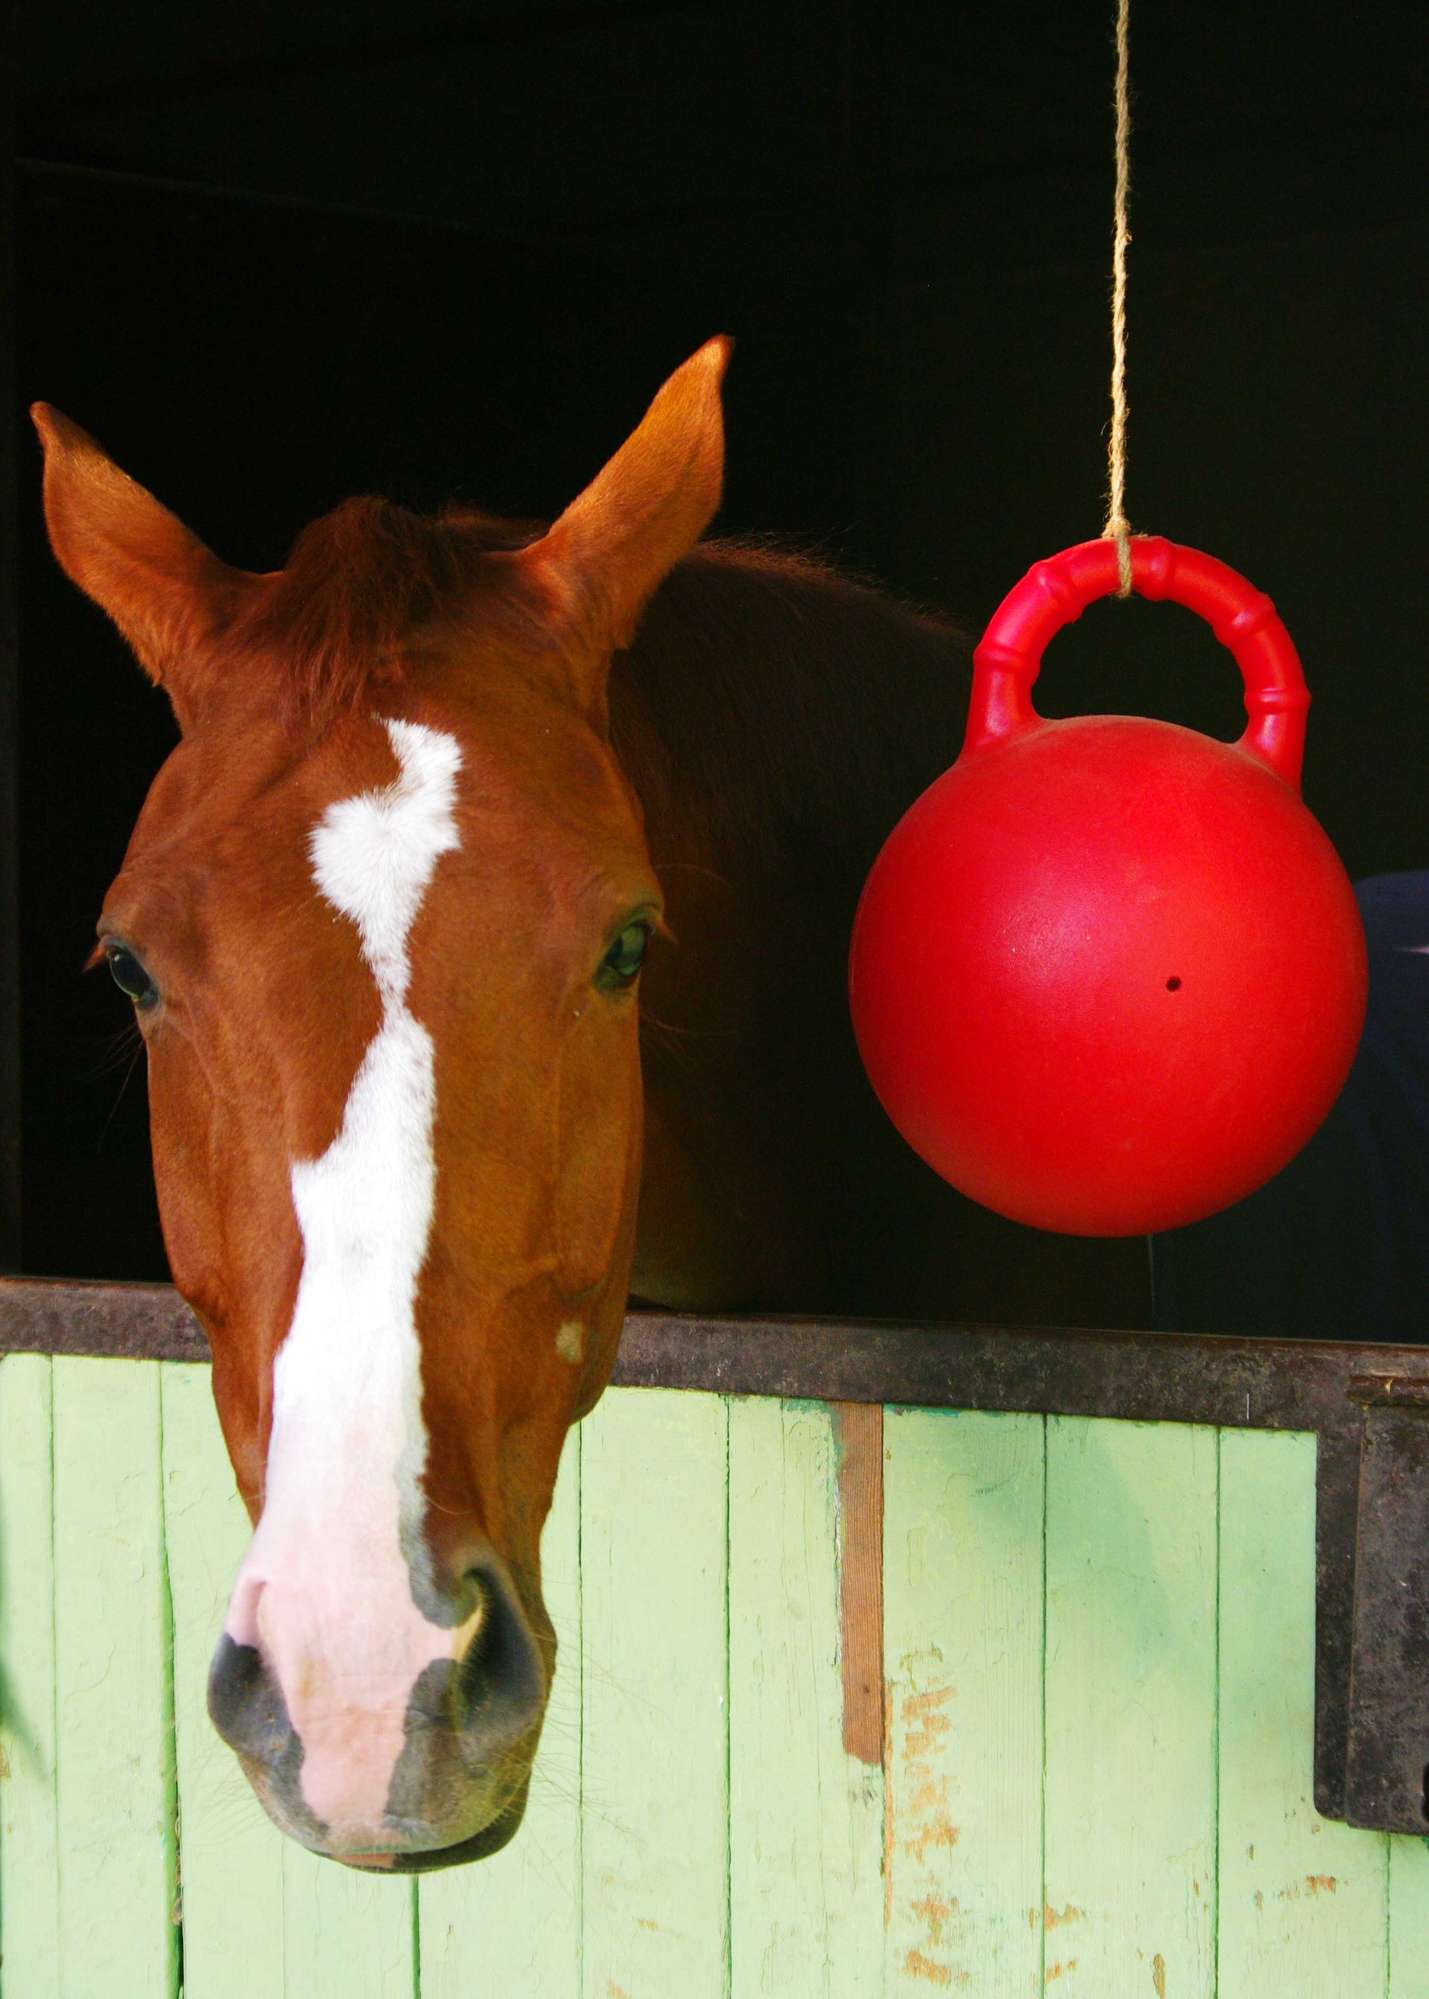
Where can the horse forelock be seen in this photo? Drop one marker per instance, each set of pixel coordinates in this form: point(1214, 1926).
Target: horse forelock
point(359, 584)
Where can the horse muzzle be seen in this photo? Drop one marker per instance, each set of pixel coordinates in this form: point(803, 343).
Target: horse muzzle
point(395, 1760)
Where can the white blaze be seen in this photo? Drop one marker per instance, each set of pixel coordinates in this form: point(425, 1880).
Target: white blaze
point(325, 1591)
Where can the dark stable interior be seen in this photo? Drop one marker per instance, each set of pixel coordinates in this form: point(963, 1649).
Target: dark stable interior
point(274, 255)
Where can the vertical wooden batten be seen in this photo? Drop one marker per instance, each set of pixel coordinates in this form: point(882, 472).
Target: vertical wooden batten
point(858, 1436)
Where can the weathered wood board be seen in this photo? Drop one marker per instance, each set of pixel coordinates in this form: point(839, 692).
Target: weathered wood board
point(1098, 1661)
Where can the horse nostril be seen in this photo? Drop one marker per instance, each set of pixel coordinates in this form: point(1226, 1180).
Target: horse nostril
point(472, 1602)
point(248, 1710)
point(499, 1682)
point(246, 1705)
point(481, 1705)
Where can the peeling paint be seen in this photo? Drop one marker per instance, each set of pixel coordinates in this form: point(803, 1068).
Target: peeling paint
point(888, 1817)
point(1158, 1976)
point(1054, 1917)
point(1314, 1884)
point(922, 1805)
point(1059, 1970)
point(918, 1966)
point(916, 1705)
point(937, 1832)
point(921, 1711)
point(934, 1912)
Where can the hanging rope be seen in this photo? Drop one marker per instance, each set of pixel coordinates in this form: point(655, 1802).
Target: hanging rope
point(1118, 528)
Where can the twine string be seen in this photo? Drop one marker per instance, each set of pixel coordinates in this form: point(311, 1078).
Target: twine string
point(1118, 528)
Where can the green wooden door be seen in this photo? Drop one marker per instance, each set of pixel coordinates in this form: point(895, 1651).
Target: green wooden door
point(1097, 1643)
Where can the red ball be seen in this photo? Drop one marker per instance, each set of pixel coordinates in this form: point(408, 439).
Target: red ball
point(1108, 975)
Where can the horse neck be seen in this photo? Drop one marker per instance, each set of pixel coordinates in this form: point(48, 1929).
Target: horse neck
point(772, 713)
point(775, 721)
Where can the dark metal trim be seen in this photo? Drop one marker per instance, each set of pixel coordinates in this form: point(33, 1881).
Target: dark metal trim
point(1229, 1382)
point(109, 1321)
point(1235, 1382)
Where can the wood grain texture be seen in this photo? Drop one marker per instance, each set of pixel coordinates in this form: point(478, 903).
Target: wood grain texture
point(858, 1442)
point(655, 1742)
point(1303, 1900)
point(1130, 1784)
point(114, 1730)
point(806, 1817)
point(1408, 1918)
point(963, 1497)
point(232, 1858)
point(511, 1925)
point(29, 1842)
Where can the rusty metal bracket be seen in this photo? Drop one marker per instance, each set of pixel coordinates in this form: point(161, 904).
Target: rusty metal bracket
point(1368, 1406)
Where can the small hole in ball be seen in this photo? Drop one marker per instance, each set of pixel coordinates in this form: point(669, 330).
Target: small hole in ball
point(1173, 985)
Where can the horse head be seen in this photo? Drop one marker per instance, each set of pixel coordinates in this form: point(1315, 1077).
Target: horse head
point(382, 919)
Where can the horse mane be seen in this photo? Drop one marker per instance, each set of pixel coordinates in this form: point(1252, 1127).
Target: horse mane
point(781, 714)
point(768, 706)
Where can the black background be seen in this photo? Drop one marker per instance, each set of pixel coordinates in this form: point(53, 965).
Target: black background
point(272, 255)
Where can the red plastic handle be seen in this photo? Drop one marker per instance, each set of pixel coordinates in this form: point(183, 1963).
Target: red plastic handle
point(1056, 592)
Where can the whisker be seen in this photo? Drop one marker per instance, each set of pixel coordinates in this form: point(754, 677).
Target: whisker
point(112, 1050)
point(685, 1033)
point(692, 868)
point(135, 1053)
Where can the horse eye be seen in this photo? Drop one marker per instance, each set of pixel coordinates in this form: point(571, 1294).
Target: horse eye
point(130, 977)
point(626, 955)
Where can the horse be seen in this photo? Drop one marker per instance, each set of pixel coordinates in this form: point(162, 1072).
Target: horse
point(496, 862)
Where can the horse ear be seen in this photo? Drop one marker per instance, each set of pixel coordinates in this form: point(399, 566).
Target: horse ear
point(612, 547)
point(167, 593)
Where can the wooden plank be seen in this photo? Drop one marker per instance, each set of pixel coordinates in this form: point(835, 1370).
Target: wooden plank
point(1408, 1918)
point(806, 1816)
point(963, 1610)
point(1303, 1904)
point(261, 1916)
point(512, 1924)
point(1130, 1801)
point(232, 1858)
point(346, 1934)
point(113, 1722)
point(654, 1742)
point(29, 1845)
